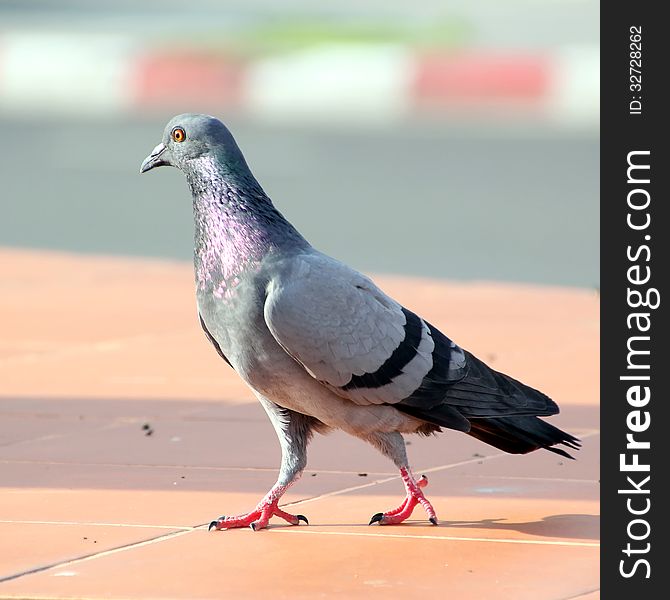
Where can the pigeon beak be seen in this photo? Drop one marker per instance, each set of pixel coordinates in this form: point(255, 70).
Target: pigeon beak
point(155, 159)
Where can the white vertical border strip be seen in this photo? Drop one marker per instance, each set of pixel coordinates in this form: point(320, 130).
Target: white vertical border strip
point(333, 82)
point(574, 91)
point(76, 73)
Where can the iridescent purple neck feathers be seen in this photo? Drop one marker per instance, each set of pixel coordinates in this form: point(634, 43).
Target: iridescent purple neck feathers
point(236, 225)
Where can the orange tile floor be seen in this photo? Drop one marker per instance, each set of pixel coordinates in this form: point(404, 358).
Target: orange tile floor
point(94, 349)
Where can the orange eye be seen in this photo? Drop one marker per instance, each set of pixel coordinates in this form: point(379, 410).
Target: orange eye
point(178, 134)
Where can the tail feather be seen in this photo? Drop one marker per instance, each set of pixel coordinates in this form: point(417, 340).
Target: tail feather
point(520, 435)
point(484, 403)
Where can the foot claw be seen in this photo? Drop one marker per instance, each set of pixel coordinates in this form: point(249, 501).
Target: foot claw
point(377, 518)
point(258, 518)
point(414, 496)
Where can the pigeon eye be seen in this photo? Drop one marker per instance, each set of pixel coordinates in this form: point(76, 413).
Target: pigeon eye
point(178, 134)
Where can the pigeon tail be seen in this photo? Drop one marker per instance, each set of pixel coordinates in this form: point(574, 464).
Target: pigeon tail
point(492, 407)
point(521, 435)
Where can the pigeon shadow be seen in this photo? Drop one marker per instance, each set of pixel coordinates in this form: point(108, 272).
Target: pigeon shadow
point(572, 526)
point(576, 526)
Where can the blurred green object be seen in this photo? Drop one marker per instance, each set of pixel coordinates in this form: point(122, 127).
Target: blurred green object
point(282, 36)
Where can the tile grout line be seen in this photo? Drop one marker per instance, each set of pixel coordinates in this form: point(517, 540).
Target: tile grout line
point(545, 479)
point(185, 531)
point(99, 346)
point(428, 470)
point(443, 537)
point(391, 478)
point(274, 470)
point(96, 524)
point(94, 555)
point(174, 534)
point(282, 529)
point(194, 467)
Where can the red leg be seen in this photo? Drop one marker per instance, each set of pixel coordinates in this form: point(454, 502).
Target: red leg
point(260, 516)
point(414, 496)
point(422, 482)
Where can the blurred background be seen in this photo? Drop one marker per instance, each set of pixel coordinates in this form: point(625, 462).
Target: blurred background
point(446, 139)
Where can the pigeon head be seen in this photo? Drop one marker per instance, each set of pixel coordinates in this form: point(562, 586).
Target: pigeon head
point(188, 138)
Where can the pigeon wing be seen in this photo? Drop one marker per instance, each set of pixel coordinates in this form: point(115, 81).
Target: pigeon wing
point(347, 333)
point(364, 346)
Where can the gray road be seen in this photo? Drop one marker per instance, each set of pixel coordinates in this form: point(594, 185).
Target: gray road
point(415, 199)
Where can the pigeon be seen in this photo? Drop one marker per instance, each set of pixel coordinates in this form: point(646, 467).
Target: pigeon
point(320, 345)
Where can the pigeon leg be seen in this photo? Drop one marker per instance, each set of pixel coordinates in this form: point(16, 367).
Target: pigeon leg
point(294, 432)
point(393, 446)
point(260, 516)
point(414, 496)
point(421, 482)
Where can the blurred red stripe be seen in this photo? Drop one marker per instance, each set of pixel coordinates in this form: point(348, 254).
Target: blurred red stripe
point(486, 77)
point(187, 79)
point(196, 80)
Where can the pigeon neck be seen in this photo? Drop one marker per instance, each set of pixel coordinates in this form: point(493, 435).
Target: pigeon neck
point(236, 226)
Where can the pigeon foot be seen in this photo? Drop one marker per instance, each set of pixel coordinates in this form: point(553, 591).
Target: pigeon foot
point(414, 496)
point(260, 516)
point(256, 519)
